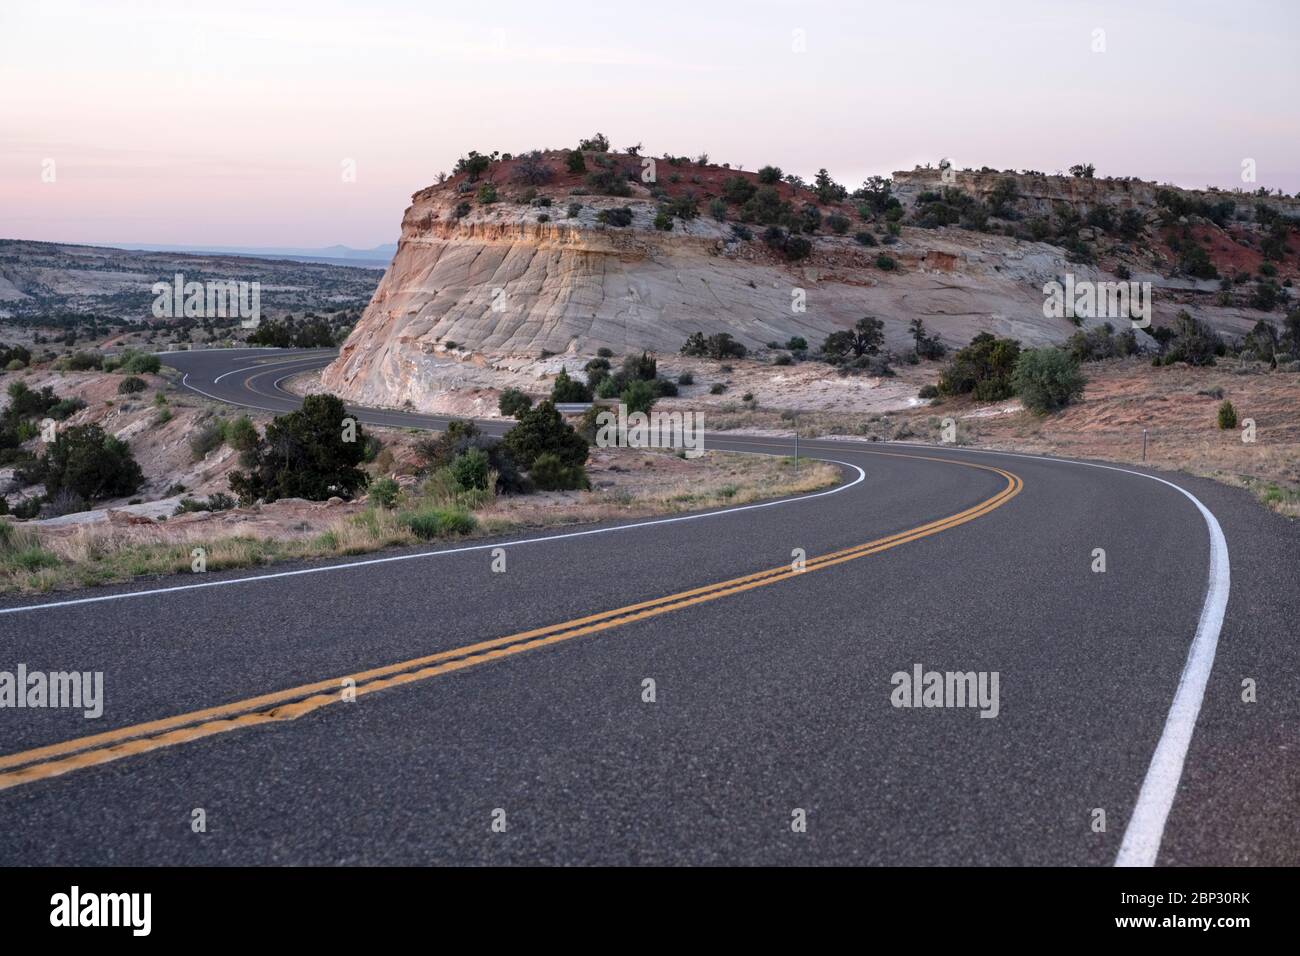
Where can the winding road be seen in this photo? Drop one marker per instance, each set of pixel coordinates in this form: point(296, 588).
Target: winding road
point(677, 691)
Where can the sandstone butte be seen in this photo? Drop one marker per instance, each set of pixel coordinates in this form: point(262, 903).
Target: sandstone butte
point(477, 286)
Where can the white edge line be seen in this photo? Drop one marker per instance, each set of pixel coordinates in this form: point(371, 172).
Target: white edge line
point(1146, 825)
point(433, 554)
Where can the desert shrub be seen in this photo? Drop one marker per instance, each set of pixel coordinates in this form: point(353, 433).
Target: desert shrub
point(928, 391)
point(513, 403)
point(886, 262)
point(718, 346)
point(486, 195)
point(430, 522)
point(686, 378)
point(210, 436)
point(1193, 342)
point(644, 367)
point(462, 210)
point(531, 169)
point(1227, 416)
point(470, 469)
point(603, 352)
point(638, 396)
point(865, 338)
point(718, 209)
point(837, 223)
point(927, 346)
point(621, 216)
point(85, 361)
point(983, 367)
point(242, 434)
point(609, 182)
point(864, 238)
point(549, 473)
point(130, 385)
point(542, 429)
point(134, 362)
point(738, 190)
point(664, 388)
point(1047, 379)
point(574, 162)
point(717, 388)
point(769, 175)
point(783, 359)
point(65, 407)
point(87, 462)
point(304, 455)
point(566, 389)
point(384, 492)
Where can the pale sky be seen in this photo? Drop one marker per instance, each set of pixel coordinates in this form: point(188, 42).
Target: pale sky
point(227, 123)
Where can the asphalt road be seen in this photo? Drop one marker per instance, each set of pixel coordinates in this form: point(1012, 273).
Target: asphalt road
point(772, 690)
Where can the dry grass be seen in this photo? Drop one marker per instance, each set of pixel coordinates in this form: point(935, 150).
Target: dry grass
point(629, 484)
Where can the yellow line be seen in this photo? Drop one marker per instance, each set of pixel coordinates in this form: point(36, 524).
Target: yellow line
point(56, 759)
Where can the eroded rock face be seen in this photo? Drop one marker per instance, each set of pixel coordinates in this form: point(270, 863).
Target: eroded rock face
point(476, 285)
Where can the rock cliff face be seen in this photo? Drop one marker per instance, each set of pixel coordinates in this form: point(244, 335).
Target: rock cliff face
point(540, 272)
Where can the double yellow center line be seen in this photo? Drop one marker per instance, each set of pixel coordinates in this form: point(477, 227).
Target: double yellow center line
point(292, 703)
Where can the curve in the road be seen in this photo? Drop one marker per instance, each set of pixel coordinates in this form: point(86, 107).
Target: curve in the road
point(1144, 831)
point(54, 760)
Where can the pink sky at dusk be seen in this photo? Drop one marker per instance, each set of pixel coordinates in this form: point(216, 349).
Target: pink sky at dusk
point(228, 123)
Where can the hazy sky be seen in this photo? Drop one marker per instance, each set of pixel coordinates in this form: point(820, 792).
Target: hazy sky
point(227, 123)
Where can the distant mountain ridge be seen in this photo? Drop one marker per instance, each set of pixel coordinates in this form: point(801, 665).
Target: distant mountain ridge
point(380, 255)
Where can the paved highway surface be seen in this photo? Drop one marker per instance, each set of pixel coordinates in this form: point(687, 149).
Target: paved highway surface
point(501, 717)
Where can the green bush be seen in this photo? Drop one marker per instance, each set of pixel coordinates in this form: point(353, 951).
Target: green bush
point(928, 391)
point(304, 455)
point(384, 492)
point(85, 361)
point(984, 368)
point(542, 429)
point(486, 195)
point(686, 378)
point(134, 362)
point(717, 388)
point(513, 403)
point(130, 385)
point(621, 216)
point(549, 473)
point(242, 434)
point(210, 436)
point(719, 346)
point(87, 462)
point(566, 389)
point(470, 469)
point(1047, 379)
point(638, 396)
point(436, 522)
point(1227, 416)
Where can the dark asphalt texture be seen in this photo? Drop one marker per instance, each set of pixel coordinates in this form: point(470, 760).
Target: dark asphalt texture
point(770, 700)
